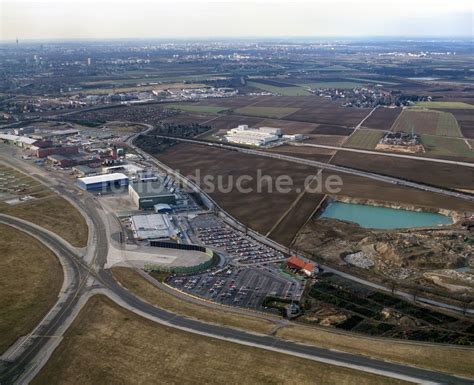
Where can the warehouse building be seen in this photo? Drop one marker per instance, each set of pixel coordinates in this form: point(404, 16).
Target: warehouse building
point(152, 226)
point(253, 136)
point(103, 182)
point(148, 194)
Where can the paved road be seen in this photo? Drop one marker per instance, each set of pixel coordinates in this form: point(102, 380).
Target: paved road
point(227, 218)
point(15, 371)
point(333, 167)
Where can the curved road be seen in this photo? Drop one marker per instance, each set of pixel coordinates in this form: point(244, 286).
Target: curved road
point(24, 365)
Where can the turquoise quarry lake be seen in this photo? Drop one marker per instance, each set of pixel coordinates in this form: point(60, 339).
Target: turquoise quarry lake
point(383, 217)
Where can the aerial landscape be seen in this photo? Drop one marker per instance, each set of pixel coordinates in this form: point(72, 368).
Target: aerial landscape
point(239, 192)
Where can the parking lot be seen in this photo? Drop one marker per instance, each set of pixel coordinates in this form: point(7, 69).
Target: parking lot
point(252, 272)
point(242, 248)
point(239, 286)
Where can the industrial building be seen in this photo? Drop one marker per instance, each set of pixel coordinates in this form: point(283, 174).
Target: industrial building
point(56, 150)
point(253, 136)
point(152, 226)
point(298, 264)
point(148, 194)
point(102, 182)
point(129, 168)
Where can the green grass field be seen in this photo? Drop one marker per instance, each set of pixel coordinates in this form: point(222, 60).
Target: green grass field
point(269, 112)
point(448, 105)
point(448, 125)
point(285, 91)
point(430, 122)
point(340, 85)
point(196, 108)
point(443, 146)
point(364, 138)
point(373, 81)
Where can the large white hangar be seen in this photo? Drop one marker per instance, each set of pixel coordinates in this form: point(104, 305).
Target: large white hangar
point(102, 182)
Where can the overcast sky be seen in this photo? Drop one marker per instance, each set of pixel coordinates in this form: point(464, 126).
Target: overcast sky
point(70, 19)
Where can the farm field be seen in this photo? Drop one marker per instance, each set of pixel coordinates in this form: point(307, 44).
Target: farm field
point(188, 158)
point(289, 127)
point(375, 81)
point(31, 280)
point(465, 119)
point(235, 102)
point(313, 153)
point(382, 118)
point(446, 147)
point(369, 189)
point(196, 108)
point(212, 161)
point(328, 129)
point(427, 122)
point(330, 114)
point(285, 91)
point(226, 122)
point(268, 112)
point(447, 105)
point(289, 226)
point(106, 344)
point(311, 101)
point(326, 140)
point(439, 174)
point(342, 85)
point(364, 138)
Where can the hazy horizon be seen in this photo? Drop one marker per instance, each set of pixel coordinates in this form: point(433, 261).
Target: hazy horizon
point(227, 19)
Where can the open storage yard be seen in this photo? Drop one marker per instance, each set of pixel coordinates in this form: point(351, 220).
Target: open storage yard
point(30, 280)
point(105, 345)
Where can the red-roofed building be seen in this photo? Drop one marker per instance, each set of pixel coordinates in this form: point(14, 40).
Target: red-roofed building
point(296, 263)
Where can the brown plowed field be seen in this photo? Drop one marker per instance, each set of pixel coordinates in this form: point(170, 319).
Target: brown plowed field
point(226, 122)
point(312, 153)
point(329, 129)
point(326, 140)
point(260, 211)
point(296, 218)
point(290, 127)
point(382, 118)
point(363, 188)
point(444, 175)
point(330, 114)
